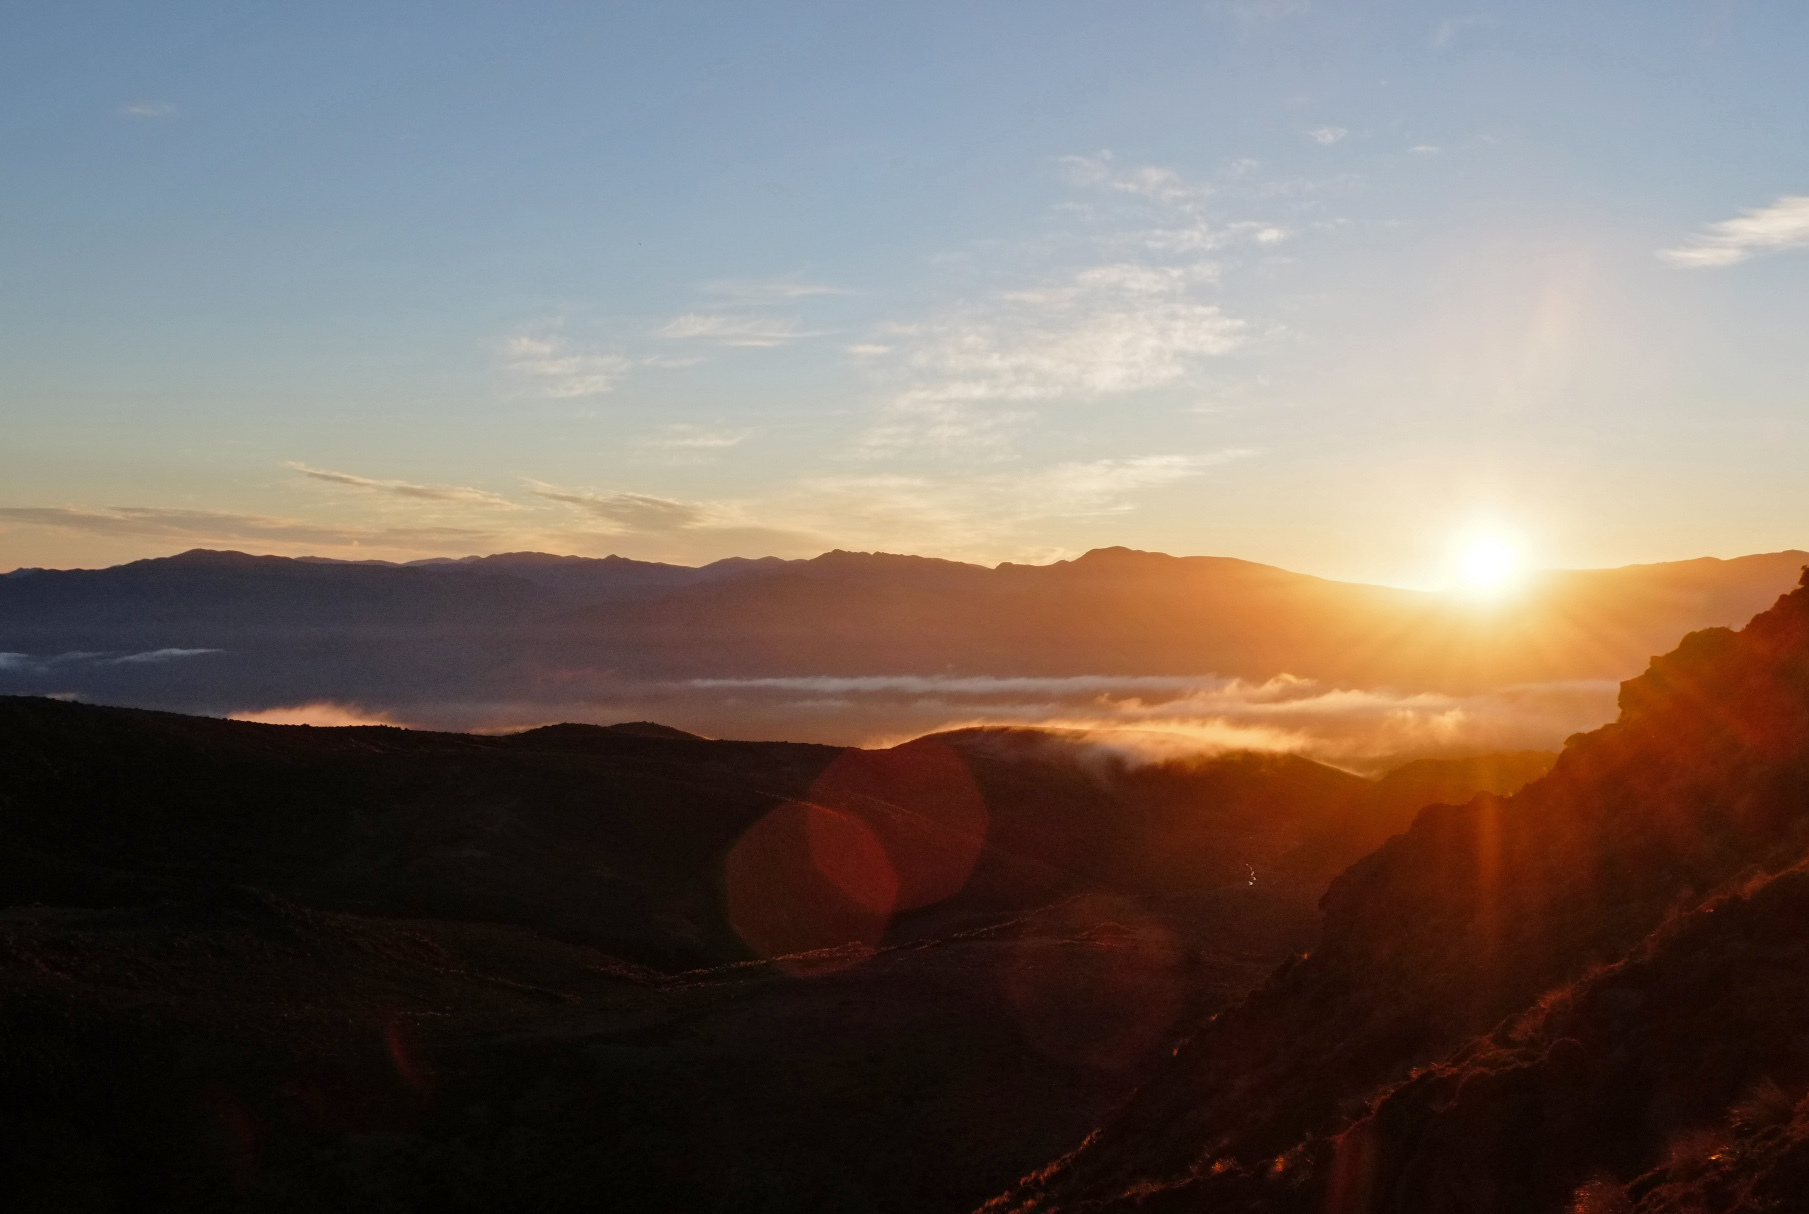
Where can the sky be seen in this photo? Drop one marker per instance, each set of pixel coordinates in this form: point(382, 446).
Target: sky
point(1331, 286)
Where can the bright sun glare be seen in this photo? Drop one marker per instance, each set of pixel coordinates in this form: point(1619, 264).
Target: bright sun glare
point(1489, 564)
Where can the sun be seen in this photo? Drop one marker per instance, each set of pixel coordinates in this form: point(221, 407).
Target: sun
point(1488, 564)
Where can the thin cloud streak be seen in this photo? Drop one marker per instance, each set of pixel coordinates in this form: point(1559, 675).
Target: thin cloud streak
point(558, 372)
point(752, 331)
point(1779, 227)
point(630, 512)
point(1448, 31)
point(978, 516)
point(1095, 487)
point(1250, 13)
point(1154, 182)
point(684, 443)
point(151, 522)
point(34, 664)
point(696, 438)
point(770, 290)
point(432, 493)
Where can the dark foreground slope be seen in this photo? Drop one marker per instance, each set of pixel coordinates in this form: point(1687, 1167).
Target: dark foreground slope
point(617, 836)
point(599, 835)
point(1590, 987)
point(253, 967)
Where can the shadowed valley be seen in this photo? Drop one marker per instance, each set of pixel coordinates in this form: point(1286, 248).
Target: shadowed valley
point(253, 965)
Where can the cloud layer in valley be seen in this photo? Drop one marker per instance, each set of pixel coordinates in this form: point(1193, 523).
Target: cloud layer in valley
point(1364, 729)
point(1352, 726)
point(318, 713)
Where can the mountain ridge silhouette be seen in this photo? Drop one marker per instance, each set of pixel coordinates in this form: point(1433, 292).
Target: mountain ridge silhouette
point(518, 638)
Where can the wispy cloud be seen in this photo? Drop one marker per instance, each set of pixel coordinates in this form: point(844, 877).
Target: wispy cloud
point(1155, 182)
point(40, 664)
point(149, 109)
point(1448, 31)
point(1104, 486)
point(729, 329)
point(1325, 136)
point(1103, 331)
point(696, 438)
point(432, 493)
point(687, 443)
point(1178, 207)
point(1782, 225)
point(153, 656)
point(628, 512)
point(979, 516)
point(555, 370)
point(551, 518)
point(667, 529)
point(211, 526)
point(770, 290)
point(1258, 12)
point(1139, 316)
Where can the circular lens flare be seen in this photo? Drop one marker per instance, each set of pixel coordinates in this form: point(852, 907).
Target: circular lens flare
point(809, 887)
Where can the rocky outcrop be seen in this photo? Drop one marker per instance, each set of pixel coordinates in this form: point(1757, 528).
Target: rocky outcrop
point(1293, 1099)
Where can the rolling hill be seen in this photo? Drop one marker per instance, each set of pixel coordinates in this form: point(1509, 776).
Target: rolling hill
point(249, 966)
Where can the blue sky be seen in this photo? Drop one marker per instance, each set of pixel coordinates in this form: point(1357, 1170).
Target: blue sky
point(1325, 285)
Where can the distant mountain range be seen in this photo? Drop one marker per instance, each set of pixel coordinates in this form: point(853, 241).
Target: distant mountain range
point(607, 579)
point(528, 636)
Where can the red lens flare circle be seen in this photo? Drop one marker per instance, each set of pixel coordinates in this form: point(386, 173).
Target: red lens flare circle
point(806, 878)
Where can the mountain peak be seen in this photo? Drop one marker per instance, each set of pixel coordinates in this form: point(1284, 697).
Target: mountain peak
point(1118, 552)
